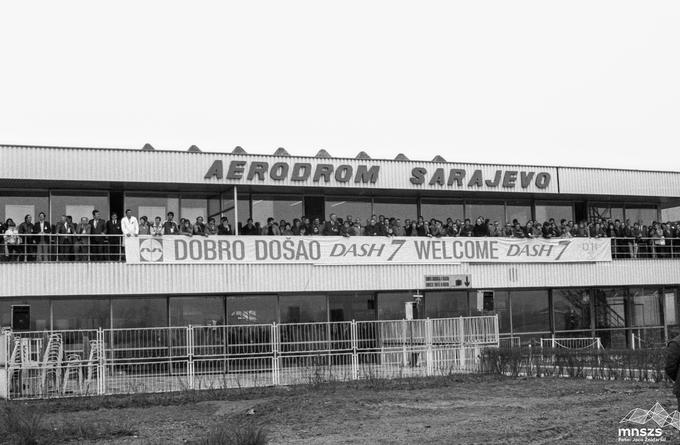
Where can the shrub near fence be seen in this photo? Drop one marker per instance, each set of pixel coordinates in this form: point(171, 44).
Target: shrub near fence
point(611, 364)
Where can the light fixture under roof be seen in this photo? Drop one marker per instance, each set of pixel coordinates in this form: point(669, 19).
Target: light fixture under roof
point(438, 159)
point(239, 151)
point(401, 157)
point(362, 155)
point(323, 154)
point(148, 147)
point(281, 152)
point(194, 149)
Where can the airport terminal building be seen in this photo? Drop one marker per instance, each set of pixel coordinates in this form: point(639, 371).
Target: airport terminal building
point(538, 288)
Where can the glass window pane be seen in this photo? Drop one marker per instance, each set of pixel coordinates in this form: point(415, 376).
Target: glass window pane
point(607, 211)
point(441, 210)
point(152, 206)
point(354, 207)
point(139, 312)
point(395, 208)
point(520, 212)
point(571, 309)
point(490, 211)
point(610, 308)
point(199, 311)
point(277, 207)
point(229, 211)
point(192, 208)
point(646, 307)
point(501, 301)
point(39, 313)
point(391, 305)
point(530, 311)
point(644, 216)
point(360, 307)
point(17, 207)
point(78, 206)
point(545, 211)
point(303, 308)
point(446, 304)
point(669, 214)
point(252, 309)
point(81, 314)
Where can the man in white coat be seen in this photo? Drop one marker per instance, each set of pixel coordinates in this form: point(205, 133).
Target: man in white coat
point(129, 224)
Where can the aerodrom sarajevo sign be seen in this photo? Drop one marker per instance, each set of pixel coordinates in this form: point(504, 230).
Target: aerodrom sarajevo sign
point(321, 173)
point(360, 250)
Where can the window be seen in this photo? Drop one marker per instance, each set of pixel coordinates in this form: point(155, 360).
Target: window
point(81, 314)
point(643, 215)
point(395, 208)
point(446, 304)
point(558, 211)
point(490, 211)
point(78, 206)
point(39, 313)
point(501, 301)
point(441, 210)
point(391, 305)
point(346, 307)
point(354, 207)
point(228, 209)
point(530, 311)
point(571, 309)
point(610, 308)
point(669, 214)
point(192, 208)
point(252, 309)
point(199, 311)
point(152, 206)
point(17, 207)
point(277, 207)
point(520, 212)
point(139, 312)
point(606, 211)
point(645, 307)
point(303, 308)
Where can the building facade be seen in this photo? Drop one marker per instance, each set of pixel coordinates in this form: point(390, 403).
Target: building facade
point(622, 301)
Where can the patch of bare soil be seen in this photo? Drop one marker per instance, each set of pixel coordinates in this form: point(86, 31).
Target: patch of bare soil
point(462, 410)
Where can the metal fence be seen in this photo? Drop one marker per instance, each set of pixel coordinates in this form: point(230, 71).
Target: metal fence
point(121, 361)
point(87, 247)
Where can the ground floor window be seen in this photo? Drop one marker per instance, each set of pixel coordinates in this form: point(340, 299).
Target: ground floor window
point(446, 304)
point(252, 309)
point(355, 306)
point(198, 311)
point(81, 314)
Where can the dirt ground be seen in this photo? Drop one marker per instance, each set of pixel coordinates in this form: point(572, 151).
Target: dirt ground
point(454, 410)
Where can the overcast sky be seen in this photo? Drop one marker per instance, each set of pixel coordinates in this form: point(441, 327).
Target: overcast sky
point(590, 83)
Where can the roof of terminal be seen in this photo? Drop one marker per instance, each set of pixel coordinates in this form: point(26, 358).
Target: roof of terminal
point(321, 154)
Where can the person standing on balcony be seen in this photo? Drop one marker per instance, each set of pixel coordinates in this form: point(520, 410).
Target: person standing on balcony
point(115, 231)
point(225, 228)
point(144, 228)
point(170, 226)
point(42, 240)
point(97, 240)
point(129, 225)
point(12, 240)
point(82, 245)
point(26, 228)
point(65, 239)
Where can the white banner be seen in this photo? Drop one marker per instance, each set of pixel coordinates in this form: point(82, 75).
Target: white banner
point(361, 250)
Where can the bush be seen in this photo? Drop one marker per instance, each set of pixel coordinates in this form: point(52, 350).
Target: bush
point(226, 434)
point(611, 364)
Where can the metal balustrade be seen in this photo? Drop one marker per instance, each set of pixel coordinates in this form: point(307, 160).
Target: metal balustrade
point(84, 247)
point(121, 361)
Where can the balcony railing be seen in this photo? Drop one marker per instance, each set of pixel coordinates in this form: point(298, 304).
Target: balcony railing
point(85, 247)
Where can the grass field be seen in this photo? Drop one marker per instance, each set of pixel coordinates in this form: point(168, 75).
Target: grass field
point(456, 410)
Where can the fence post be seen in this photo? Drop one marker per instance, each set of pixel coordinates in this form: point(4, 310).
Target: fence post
point(190, 356)
point(404, 358)
point(101, 366)
point(461, 335)
point(355, 345)
point(429, 358)
point(276, 345)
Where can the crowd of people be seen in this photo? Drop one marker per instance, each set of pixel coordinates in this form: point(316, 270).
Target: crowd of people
point(99, 240)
